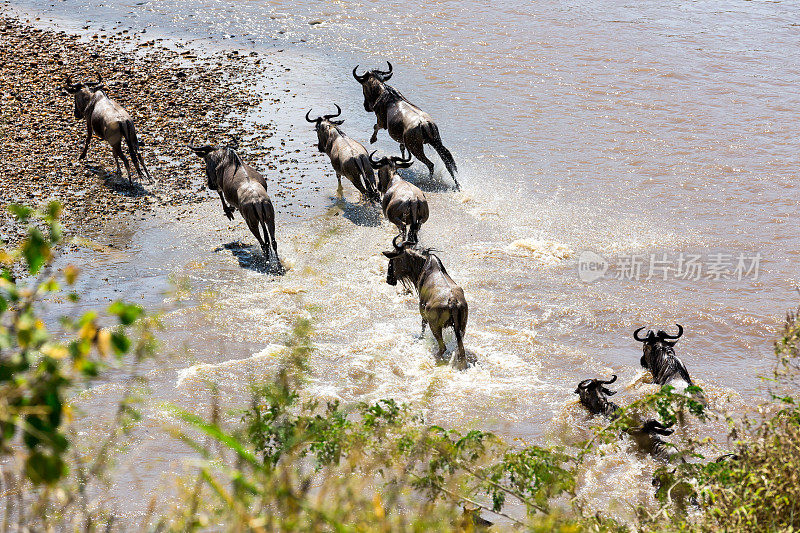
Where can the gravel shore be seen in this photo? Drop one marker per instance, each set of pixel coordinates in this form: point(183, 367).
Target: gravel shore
point(172, 95)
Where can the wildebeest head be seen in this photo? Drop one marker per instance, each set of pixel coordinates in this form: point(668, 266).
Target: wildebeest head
point(387, 166)
point(648, 438)
point(219, 160)
point(323, 126)
point(82, 92)
point(372, 84)
point(407, 262)
point(658, 355)
point(593, 395)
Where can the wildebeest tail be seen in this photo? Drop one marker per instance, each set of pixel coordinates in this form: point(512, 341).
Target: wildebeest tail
point(458, 316)
point(367, 177)
point(430, 132)
point(129, 132)
point(267, 213)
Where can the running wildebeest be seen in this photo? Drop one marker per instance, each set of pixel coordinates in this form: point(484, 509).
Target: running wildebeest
point(441, 300)
point(648, 438)
point(244, 188)
point(593, 395)
point(659, 356)
point(405, 122)
point(403, 203)
point(348, 157)
point(108, 120)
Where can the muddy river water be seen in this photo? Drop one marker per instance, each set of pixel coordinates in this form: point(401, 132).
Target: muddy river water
point(622, 163)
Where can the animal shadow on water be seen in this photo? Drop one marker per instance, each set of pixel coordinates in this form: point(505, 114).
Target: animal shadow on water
point(117, 183)
point(251, 257)
point(364, 213)
point(426, 182)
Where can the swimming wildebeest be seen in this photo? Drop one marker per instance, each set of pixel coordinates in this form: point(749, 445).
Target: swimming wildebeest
point(403, 203)
point(244, 188)
point(348, 157)
point(441, 300)
point(108, 120)
point(659, 356)
point(648, 438)
point(406, 123)
point(594, 396)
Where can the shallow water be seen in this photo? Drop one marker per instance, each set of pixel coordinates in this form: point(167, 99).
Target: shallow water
point(622, 129)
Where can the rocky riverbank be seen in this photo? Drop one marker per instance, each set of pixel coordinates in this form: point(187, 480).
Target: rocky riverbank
point(173, 96)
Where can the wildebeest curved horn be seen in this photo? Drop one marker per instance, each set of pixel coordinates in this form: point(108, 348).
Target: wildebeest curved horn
point(334, 115)
point(71, 87)
point(678, 336)
point(583, 384)
point(386, 74)
point(403, 163)
point(610, 381)
point(395, 243)
point(636, 336)
point(359, 79)
point(199, 149)
point(376, 163)
point(312, 120)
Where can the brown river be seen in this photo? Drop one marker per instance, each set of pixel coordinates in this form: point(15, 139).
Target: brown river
point(623, 164)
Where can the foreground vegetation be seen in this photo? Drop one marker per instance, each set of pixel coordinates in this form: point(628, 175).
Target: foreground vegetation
point(294, 464)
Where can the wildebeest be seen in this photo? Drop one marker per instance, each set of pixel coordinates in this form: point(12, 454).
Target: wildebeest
point(659, 356)
point(648, 438)
point(244, 188)
point(348, 157)
point(593, 395)
point(404, 204)
point(441, 300)
point(108, 120)
point(406, 123)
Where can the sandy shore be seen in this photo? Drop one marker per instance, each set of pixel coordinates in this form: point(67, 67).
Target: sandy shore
point(173, 96)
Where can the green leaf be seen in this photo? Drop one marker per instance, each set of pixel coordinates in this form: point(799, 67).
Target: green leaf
point(127, 313)
point(120, 342)
point(22, 212)
point(42, 468)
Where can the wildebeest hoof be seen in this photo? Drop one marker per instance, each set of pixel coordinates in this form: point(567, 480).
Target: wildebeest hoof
point(373, 139)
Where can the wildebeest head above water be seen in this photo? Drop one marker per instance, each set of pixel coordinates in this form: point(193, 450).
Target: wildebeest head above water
point(387, 166)
point(323, 125)
point(594, 396)
point(648, 438)
point(83, 92)
point(372, 83)
point(658, 356)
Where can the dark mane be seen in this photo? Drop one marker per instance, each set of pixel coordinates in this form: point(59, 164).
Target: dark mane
point(391, 91)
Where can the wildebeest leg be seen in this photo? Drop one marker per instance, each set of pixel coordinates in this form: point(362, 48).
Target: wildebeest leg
point(253, 225)
point(422, 333)
point(88, 139)
point(461, 359)
point(118, 153)
point(375, 129)
point(339, 189)
point(416, 149)
point(228, 212)
point(437, 334)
